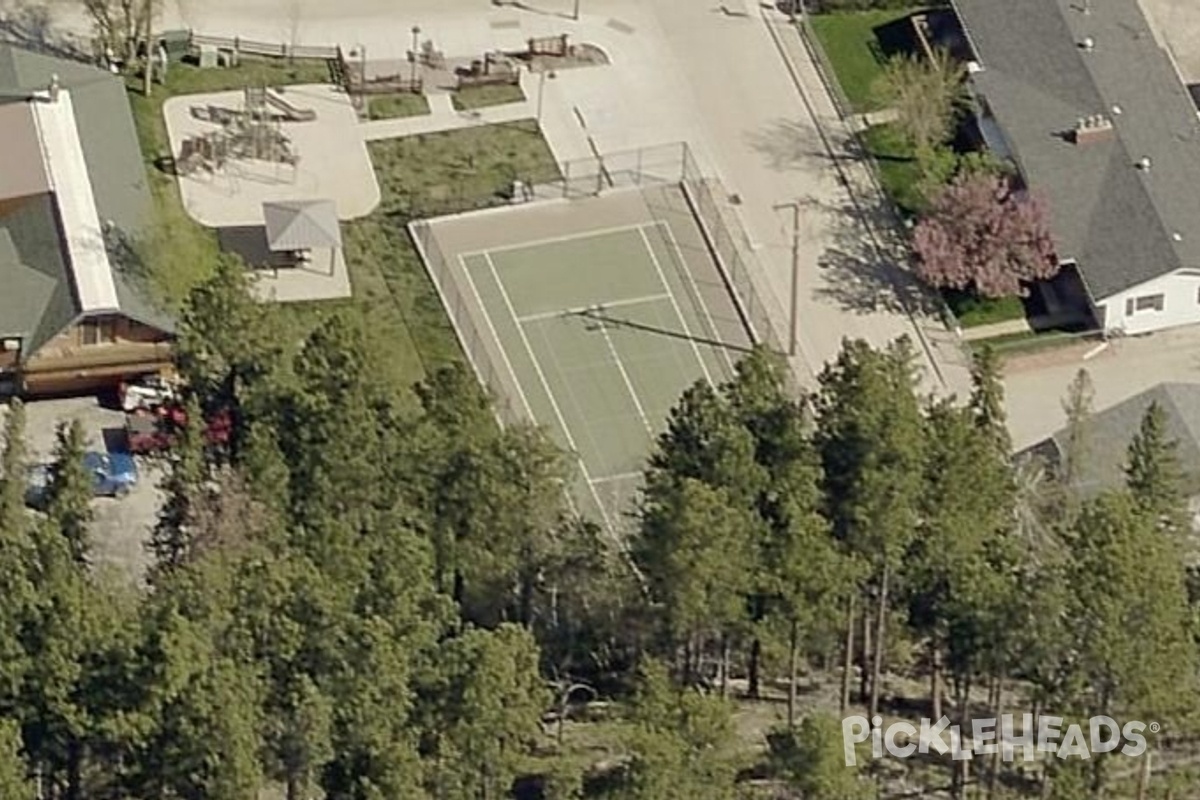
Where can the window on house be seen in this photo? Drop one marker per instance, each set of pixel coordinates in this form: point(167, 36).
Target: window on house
point(1147, 302)
point(98, 331)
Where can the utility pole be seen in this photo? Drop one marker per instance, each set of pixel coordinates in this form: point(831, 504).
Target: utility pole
point(576, 15)
point(794, 331)
point(412, 78)
point(148, 69)
point(541, 92)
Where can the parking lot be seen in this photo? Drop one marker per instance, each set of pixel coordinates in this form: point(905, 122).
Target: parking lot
point(121, 526)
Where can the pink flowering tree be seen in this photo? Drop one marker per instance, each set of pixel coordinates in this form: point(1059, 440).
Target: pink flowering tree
point(980, 235)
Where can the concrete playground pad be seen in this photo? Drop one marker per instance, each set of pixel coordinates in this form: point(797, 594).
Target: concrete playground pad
point(332, 162)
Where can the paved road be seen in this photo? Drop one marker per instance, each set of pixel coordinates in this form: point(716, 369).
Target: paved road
point(740, 89)
point(1176, 23)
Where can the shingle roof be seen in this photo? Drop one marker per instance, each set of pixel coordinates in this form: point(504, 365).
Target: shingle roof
point(30, 245)
point(1107, 435)
point(1117, 222)
point(301, 224)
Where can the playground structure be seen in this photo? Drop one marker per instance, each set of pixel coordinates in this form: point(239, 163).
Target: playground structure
point(493, 68)
point(254, 132)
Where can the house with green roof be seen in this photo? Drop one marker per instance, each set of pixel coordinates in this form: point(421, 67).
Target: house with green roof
point(73, 190)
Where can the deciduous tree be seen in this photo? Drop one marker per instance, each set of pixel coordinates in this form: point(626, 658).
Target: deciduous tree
point(982, 235)
point(927, 94)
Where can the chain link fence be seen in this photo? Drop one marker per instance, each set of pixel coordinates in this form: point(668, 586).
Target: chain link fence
point(732, 250)
point(481, 351)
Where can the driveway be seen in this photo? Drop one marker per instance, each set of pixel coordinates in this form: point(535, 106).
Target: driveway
point(121, 526)
point(1036, 385)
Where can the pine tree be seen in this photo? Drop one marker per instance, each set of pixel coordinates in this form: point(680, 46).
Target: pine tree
point(1132, 625)
point(16, 556)
point(870, 439)
point(14, 773)
point(69, 495)
point(1153, 474)
point(814, 762)
point(171, 542)
point(696, 550)
point(681, 744)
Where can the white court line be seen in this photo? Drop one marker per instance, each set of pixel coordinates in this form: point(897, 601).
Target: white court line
point(549, 394)
point(619, 477)
point(675, 305)
point(556, 239)
point(628, 383)
point(581, 310)
point(499, 342)
point(712, 324)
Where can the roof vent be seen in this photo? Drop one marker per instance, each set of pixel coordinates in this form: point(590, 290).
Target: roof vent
point(1088, 43)
point(1094, 128)
point(1144, 163)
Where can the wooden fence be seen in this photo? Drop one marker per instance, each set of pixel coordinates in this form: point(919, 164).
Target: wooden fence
point(239, 46)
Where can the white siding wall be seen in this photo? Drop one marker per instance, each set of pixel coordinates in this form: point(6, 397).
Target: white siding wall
point(1180, 304)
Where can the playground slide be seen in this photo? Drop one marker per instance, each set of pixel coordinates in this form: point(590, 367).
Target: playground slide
point(290, 112)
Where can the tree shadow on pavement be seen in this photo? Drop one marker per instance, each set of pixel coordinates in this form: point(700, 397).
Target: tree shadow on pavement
point(789, 145)
point(865, 270)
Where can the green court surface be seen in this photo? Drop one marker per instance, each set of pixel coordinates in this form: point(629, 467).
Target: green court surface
point(601, 333)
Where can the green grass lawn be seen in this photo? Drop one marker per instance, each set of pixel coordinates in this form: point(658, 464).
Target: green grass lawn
point(899, 172)
point(971, 310)
point(434, 173)
point(392, 106)
point(852, 50)
point(483, 96)
point(394, 299)
point(1027, 342)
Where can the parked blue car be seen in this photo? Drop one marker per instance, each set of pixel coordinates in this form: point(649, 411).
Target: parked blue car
point(113, 475)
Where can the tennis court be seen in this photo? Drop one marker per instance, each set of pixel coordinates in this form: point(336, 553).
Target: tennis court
point(599, 331)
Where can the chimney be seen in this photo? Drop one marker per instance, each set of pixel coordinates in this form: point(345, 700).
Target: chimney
point(53, 90)
point(1096, 128)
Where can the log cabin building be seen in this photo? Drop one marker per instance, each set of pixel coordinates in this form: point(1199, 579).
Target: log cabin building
point(73, 194)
